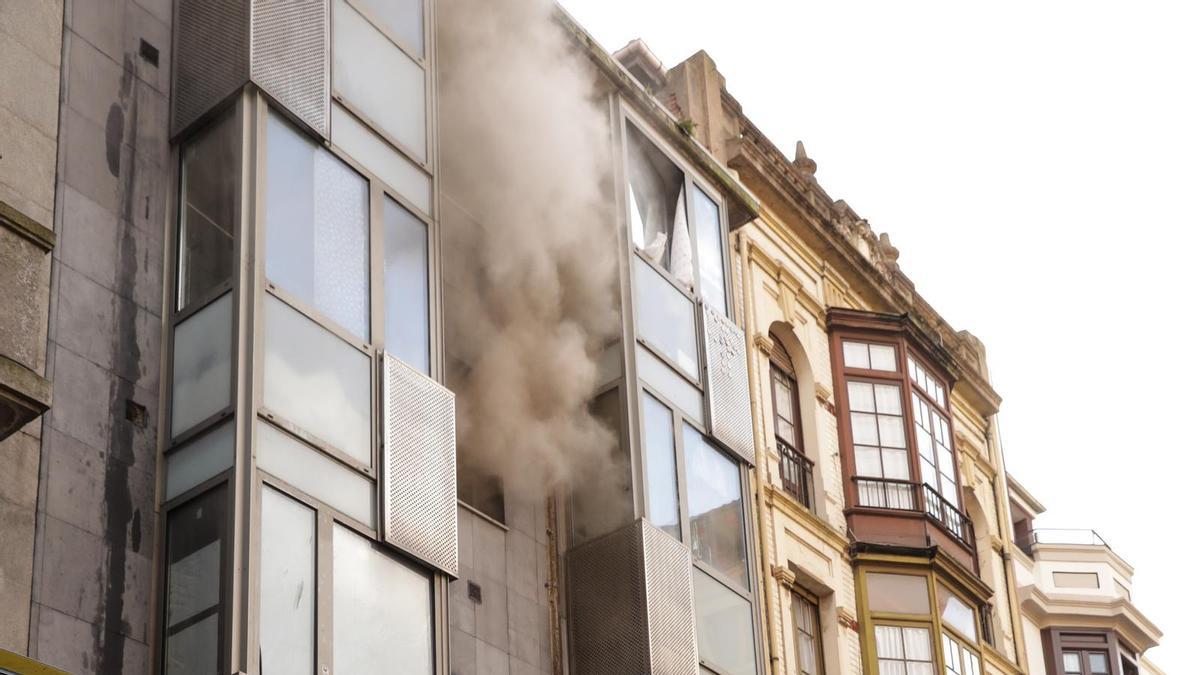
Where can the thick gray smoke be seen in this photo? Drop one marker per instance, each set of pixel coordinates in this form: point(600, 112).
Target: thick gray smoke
point(528, 240)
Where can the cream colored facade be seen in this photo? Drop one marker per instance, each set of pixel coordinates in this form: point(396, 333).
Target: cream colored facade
point(805, 255)
point(1071, 582)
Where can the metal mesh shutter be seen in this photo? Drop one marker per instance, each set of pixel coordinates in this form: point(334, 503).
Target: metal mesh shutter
point(211, 56)
point(728, 384)
point(420, 495)
point(290, 56)
point(631, 604)
point(671, 607)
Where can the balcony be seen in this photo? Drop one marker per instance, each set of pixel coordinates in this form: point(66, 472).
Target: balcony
point(1059, 537)
point(910, 501)
point(796, 474)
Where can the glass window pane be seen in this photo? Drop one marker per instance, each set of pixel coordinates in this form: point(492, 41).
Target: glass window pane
point(724, 632)
point(316, 227)
point(883, 357)
point(956, 613)
point(288, 585)
point(202, 365)
point(889, 643)
point(406, 285)
point(316, 473)
point(656, 205)
point(887, 397)
point(382, 610)
point(916, 644)
point(1097, 663)
point(856, 355)
point(194, 614)
point(199, 460)
point(863, 429)
point(666, 318)
point(661, 478)
point(714, 496)
point(363, 59)
point(891, 432)
point(1072, 663)
point(783, 400)
point(895, 463)
point(862, 398)
point(898, 593)
point(710, 250)
point(209, 209)
point(317, 381)
point(401, 18)
point(380, 158)
point(867, 462)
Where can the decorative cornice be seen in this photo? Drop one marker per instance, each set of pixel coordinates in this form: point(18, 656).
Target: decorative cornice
point(1117, 614)
point(787, 504)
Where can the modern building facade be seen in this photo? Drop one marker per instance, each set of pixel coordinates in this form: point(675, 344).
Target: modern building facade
point(247, 244)
point(1076, 595)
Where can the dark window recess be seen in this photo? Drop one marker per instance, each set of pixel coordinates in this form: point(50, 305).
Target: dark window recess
point(482, 491)
point(149, 53)
point(474, 593)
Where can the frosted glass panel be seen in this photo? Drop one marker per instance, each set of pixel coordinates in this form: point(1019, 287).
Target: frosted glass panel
point(200, 379)
point(401, 18)
point(661, 480)
point(669, 383)
point(288, 585)
point(666, 318)
point(378, 79)
point(316, 473)
point(316, 227)
point(381, 159)
point(199, 460)
point(710, 251)
point(724, 632)
point(317, 381)
point(382, 610)
point(956, 613)
point(406, 286)
point(897, 593)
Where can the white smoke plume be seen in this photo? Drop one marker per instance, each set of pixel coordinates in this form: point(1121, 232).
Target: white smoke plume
point(528, 236)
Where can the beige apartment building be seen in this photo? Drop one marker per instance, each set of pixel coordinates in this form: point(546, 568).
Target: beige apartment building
point(1078, 613)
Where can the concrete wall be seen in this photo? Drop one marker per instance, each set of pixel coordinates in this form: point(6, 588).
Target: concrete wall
point(507, 630)
point(30, 59)
point(93, 557)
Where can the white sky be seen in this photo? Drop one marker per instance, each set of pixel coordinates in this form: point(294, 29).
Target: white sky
point(1036, 165)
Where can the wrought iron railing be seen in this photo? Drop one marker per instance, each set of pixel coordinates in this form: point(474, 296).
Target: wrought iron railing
point(886, 493)
point(903, 495)
point(949, 517)
point(796, 473)
point(1062, 536)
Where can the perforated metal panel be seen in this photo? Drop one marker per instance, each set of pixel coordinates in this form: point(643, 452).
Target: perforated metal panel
point(211, 56)
point(727, 384)
point(631, 604)
point(670, 604)
point(289, 57)
point(420, 493)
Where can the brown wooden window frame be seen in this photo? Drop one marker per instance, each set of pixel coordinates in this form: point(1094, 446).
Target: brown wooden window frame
point(796, 469)
point(802, 601)
point(1059, 642)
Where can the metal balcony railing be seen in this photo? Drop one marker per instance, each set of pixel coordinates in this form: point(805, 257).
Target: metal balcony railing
point(1062, 536)
point(796, 473)
point(903, 495)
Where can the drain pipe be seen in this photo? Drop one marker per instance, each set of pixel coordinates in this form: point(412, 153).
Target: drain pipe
point(760, 456)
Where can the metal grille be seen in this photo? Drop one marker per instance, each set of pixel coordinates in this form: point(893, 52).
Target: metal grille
point(211, 56)
point(290, 57)
point(632, 609)
point(727, 384)
point(608, 612)
point(671, 614)
point(420, 495)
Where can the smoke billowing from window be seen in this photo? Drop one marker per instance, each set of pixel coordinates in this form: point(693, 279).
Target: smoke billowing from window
point(528, 240)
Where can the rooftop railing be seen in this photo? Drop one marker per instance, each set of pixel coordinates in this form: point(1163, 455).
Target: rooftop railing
point(1059, 536)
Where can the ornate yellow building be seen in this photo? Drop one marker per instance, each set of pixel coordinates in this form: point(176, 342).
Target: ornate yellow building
point(880, 483)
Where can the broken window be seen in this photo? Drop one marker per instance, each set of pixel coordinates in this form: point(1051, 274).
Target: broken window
point(658, 208)
point(211, 174)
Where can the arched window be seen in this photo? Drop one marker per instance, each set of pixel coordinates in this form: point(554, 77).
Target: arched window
point(795, 469)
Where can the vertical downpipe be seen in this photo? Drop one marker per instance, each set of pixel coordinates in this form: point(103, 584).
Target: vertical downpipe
point(760, 456)
point(556, 659)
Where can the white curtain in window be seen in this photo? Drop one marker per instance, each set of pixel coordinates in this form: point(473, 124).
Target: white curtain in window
point(681, 244)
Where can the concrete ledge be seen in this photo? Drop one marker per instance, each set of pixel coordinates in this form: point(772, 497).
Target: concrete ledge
point(24, 395)
point(27, 227)
point(21, 665)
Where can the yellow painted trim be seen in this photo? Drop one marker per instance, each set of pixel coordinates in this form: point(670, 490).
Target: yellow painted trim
point(26, 666)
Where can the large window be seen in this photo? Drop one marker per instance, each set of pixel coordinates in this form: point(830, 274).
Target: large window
point(208, 209)
point(673, 222)
point(287, 579)
point(659, 448)
point(960, 660)
point(714, 495)
point(1082, 653)
point(406, 285)
point(903, 650)
point(195, 588)
point(808, 635)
